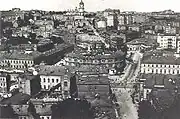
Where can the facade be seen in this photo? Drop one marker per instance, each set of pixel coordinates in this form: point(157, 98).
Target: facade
point(29, 83)
point(109, 60)
point(178, 46)
point(52, 76)
point(121, 19)
point(4, 82)
point(160, 65)
point(19, 60)
point(167, 41)
point(110, 20)
point(88, 41)
point(101, 24)
point(170, 30)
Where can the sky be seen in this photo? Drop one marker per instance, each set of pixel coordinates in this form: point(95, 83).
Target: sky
point(92, 5)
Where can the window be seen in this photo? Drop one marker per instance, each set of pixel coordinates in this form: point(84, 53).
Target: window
point(57, 80)
point(48, 80)
point(48, 118)
point(65, 84)
point(44, 86)
point(44, 80)
point(42, 117)
point(53, 80)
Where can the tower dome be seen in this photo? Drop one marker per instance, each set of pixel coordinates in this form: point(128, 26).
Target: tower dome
point(81, 3)
point(81, 8)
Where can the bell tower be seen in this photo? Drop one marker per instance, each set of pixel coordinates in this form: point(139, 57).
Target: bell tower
point(81, 8)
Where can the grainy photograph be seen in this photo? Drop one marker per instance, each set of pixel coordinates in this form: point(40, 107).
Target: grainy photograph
point(89, 59)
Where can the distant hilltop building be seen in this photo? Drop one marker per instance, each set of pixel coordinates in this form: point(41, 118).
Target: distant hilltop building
point(77, 11)
point(81, 8)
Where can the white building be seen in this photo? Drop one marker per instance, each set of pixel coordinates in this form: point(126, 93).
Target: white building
point(101, 24)
point(3, 82)
point(160, 65)
point(55, 75)
point(167, 41)
point(19, 60)
point(110, 20)
point(178, 46)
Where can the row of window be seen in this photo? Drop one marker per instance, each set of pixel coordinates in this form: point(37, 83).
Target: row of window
point(164, 71)
point(2, 84)
point(161, 65)
point(92, 61)
point(16, 66)
point(41, 117)
point(18, 61)
point(2, 79)
point(52, 80)
point(45, 118)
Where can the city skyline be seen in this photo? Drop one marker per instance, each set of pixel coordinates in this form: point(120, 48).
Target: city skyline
point(92, 5)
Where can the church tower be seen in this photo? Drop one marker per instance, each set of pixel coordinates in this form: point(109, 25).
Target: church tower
point(81, 8)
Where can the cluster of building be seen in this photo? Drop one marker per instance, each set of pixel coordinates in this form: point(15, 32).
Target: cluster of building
point(49, 57)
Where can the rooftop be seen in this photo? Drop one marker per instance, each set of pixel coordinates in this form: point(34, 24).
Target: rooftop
point(143, 41)
point(15, 55)
point(94, 81)
point(90, 38)
point(19, 98)
point(49, 70)
point(160, 79)
point(161, 60)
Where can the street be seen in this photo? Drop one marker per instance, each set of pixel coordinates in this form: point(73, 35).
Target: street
point(128, 109)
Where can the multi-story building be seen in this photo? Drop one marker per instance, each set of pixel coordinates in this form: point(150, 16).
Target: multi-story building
point(19, 60)
point(110, 20)
point(100, 23)
point(55, 76)
point(141, 44)
point(114, 60)
point(167, 41)
point(170, 30)
point(89, 41)
point(121, 19)
point(178, 46)
point(4, 82)
point(29, 83)
point(160, 64)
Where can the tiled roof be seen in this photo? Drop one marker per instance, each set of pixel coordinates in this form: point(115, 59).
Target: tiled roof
point(6, 112)
point(94, 81)
point(19, 98)
point(21, 55)
point(160, 79)
point(160, 60)
point(142, 41)
point(49, 70)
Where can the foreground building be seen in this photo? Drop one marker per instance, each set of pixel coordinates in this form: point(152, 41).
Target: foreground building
point(56, 77)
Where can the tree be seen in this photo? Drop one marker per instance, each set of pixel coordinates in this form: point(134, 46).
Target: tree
point(32, 111)
point(146, 111)
point(72, 109)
